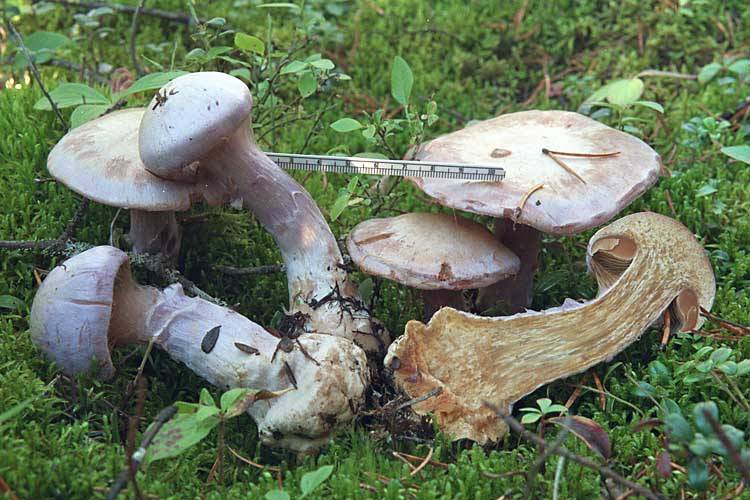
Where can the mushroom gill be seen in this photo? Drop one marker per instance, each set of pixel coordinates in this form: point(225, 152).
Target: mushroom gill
point(644, 263)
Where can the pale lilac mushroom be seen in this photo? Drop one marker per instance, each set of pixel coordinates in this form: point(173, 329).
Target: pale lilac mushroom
point(100, 160)
point(91, 304)
point(545, 189)
point(197, 130)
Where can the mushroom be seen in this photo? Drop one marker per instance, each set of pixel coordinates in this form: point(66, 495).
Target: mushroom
point(439, 254)
point(565, 173)
point(91, 303)
point(197, 130)
point(100, 160)
point(644, 264)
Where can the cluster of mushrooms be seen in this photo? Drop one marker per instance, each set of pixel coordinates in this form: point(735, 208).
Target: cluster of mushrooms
point(565, 173)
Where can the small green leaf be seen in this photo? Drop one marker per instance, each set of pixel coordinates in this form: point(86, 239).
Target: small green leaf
point(543, 404)
point(699, 417)
point(701, 446)
point(740, 66)
point(678, 428)
point(178, 435)
point(249, 43)
point(15, 409)
point(708, 72)
point(215, 52)
point(743, 367)
point(720, 355)
point(402, 80)
point(346, 125)
point(10, 302)
point(530, 418)
point(706, 190)
point(311, 480)
point(556, 409)
point(324, 64)
point(340, 204)
point(85, 113)
point(205, 398)
point(739, 153)
point(232, 396)
point(307, 84)
point(651, 105)
point(242, 73)
point(277, 495)
point(72, 94)
point(294, 67)
point(644, 390)
point(698, 474)
point(152, 81)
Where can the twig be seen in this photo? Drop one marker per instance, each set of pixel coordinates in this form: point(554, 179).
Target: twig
point(175, 17)
point(4, 488)
point(137, 458)
point(424, 462)
point(250, 462)
point(742, 467)
point(34, 71)
point(537, 466)
point(517, 211)
point(667, 74)
point(434, 392)
point(564, 165)
point(139, 71)
point(61, 240)
point(414, 458)
point(516, 427)
point(726, 324)
point(244, 271)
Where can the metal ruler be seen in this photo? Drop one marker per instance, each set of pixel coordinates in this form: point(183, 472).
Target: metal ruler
point(373, 166)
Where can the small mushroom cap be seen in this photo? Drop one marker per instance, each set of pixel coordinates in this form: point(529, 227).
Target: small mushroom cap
point(100, 160)
point(564, 205)
point(71, 311)
point(189, 117)
point(431, 252)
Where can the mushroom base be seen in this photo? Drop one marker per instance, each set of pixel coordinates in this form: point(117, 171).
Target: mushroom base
point(513, 295)
point(155, 233)
point(436, 299)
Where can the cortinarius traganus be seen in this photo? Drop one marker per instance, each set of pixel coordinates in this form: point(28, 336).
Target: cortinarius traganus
point(90, 304)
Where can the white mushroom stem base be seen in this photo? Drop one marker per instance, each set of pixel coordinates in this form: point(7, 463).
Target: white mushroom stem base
point(155, 233)
point(513, 295)
point(327, 376)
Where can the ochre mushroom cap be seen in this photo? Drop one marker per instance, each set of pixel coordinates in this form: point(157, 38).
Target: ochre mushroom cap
point(431, 252)
point(564, 205)
point(100, 160)
point(71, 312)
point(189, 117)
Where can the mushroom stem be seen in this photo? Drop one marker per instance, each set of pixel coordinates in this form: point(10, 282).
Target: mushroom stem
point(513, 295)
point(155, 233)
point(319, 287)
point(474, 359)
point(436, 299)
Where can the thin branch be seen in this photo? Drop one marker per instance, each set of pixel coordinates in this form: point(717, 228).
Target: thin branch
point(175, 17)
point(139, 71)
point(18, 39)
point(122, 480)
point(245, 271)
point(516, 427)
point(539, 463)
point(61, 240)
point(667, 74)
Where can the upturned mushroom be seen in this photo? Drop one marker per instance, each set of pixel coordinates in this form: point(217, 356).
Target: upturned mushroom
point(100, 160)
point(439, 254)
point(565, 173)
point(644, 263)
point(90, 304)
point(197, 131)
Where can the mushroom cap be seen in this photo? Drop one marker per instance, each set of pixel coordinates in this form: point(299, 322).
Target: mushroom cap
point(100, 161)
point(189, 117)
point(564, 205)
point(431, 252)
point(71, 311)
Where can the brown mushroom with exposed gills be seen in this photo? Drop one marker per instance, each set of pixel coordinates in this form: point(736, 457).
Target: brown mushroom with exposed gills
point(564, 173)
point(100, 160)
point(440, 254)
point(644, 264)
point(90, 304)
point(198, 131)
